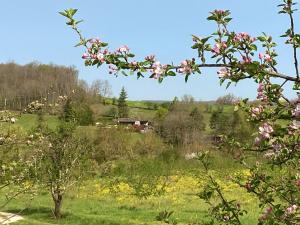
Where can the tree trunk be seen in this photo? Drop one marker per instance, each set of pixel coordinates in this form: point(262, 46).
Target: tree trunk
point(57, 198)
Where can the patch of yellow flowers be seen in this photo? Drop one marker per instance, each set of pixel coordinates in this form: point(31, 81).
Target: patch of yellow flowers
point(180, 190)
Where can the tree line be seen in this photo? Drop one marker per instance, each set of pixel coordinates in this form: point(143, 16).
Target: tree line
point(23, 84)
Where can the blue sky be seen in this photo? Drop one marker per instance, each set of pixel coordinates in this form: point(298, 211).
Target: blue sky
point(33, 30)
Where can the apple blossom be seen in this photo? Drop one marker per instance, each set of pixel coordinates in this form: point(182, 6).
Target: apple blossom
point(256, 111)
point(218, 47)
point(185, 67)
point(123, 49)
point(265, 130)
point(94, 40)
point(291, 210)
point(150, 58)
point(158, 69)
point(224, 73)
point(113, 69)
point(296, 111)
point(85, 56)
point(100, 57)
point(246, 59)
point(266, 213)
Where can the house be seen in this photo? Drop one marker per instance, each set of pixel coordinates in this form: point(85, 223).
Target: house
point(136, 124)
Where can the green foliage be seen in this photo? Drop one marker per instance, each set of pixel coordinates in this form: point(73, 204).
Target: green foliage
point(231, 124)
point(60, 157)
point(182, 126)
point(123, 110)
point(77, 112)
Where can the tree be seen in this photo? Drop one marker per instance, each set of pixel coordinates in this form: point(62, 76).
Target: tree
point(123, 110)
point(182, 127)
point(75, 110)
point(228, 99)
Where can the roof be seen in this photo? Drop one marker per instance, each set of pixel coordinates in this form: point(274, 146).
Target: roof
point(127, 120)
point(130, 120)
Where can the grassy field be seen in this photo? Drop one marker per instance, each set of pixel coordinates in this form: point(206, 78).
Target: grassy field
point(117, 201)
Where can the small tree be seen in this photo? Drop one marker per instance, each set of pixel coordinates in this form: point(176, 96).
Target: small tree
point(123, 110)
point(61, 158)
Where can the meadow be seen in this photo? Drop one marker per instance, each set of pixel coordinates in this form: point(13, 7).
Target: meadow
point(138, 194)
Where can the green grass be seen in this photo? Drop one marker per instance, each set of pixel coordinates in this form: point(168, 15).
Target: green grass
point(107, 199)
point(29, 121)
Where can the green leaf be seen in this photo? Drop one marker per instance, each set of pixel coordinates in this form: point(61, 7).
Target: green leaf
point(79, 21)
point(63, 14)
point(72, 12)
point(125, 74)
point(130, 55)
point(186, 78)
point(228, 84)
point(171, 73)
point(139, 74)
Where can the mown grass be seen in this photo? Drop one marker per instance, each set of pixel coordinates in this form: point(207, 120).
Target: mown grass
point(28, 122)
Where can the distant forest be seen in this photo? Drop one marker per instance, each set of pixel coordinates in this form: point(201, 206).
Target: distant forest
point(22, 84)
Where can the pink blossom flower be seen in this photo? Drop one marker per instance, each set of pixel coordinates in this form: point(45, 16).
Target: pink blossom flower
point(246, 59)
point(218, 47)
point(113, 69)
point(277, 147)
point(100, 57)
point(94, 40)
point(256, 111)
point(260, 87)
point(260, 93)
point(158, 69)
point(150, 58)
point(295, 125)
point(260, 56)
point(265, 130)
point(268, 58)
point(224, 73)
point(219, 11)
point(93, 56)
point(85, 56)
point(291, 210)
point(266, 213)
point(134, 63)
point(243, 37)
point(296, 111)
point(123, 49)
point(105, 52)
point(257, 140)
point(298, 183)
point(185, 67)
